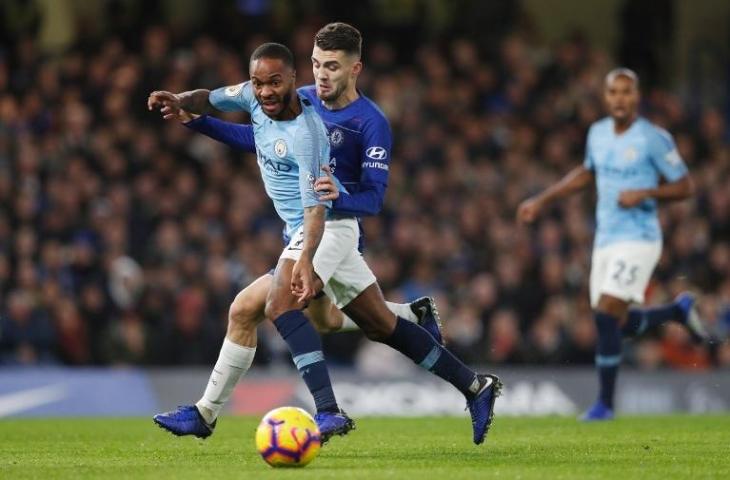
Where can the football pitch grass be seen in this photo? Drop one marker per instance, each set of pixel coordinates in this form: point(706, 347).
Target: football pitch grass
point(687, 447)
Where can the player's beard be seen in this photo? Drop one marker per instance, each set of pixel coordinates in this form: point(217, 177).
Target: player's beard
point(623, 115)
point(335, 93)
point(285, 100)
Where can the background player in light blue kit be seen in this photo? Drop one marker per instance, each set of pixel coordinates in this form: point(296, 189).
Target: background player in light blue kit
point(634, 164)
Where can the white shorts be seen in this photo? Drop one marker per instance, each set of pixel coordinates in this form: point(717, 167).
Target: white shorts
point(337, 262)
point(623, 270)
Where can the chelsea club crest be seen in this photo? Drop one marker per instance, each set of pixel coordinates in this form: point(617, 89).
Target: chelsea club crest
point(336, 137)
point(280, 148)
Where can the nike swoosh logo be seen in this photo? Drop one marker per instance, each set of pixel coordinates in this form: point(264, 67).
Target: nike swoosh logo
point(17, 402)
point(489, 382)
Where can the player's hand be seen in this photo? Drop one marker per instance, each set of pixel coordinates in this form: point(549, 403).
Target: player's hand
point(631, 198)
point(167, 102)
point(326, 186)
point(184, 116)
point(529, 210)
point(302, 280)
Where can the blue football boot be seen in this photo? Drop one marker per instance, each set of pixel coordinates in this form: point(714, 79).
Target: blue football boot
point(598, 412)
point(691, 320)
point(333, 423)
point(428, 316)
point(481, 407)
point(186, 420)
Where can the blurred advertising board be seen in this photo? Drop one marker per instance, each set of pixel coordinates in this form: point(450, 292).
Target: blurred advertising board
point(528, 391)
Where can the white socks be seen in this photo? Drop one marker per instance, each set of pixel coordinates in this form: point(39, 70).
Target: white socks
point(348, 324)
point(403, 310)
point(233, 361)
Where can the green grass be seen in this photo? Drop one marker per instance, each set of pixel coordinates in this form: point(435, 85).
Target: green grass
point(687, 447)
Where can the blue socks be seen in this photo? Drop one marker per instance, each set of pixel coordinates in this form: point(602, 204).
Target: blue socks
point(414, 342)
point(642, 319)
point(608, 355)
point(305, 346)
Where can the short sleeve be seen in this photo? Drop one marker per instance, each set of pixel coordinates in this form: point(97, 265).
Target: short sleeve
point(234, 98)
point(588, 162)
point(665, 156)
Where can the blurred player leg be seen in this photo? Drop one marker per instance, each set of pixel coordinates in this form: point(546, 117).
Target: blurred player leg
point(608, 315)
point(620, 274)
point(682, 310)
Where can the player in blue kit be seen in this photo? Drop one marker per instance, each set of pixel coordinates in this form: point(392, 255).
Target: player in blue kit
point(480, 390)
point(634, 164)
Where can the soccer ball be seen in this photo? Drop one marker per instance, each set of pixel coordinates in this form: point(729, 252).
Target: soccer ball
point(287, 437)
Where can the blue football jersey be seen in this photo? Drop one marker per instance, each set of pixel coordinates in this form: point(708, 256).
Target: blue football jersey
point(360, 143)
point(290, 153)
point(636, 159)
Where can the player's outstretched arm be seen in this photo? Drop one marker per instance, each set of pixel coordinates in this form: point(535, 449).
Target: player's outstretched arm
point(234, 135)
point(169, 104)
point(670, 191)
point(576, 180)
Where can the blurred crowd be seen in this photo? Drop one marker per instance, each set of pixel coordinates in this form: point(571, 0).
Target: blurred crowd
point(124, 238)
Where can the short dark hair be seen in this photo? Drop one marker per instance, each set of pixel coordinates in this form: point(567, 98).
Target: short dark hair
point(339, 36)
point(274, 50)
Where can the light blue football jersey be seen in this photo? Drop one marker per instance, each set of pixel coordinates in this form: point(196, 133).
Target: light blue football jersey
point(290, 153)
point(636, 159)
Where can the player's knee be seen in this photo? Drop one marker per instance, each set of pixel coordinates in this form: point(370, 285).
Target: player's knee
point(245, 311)
point(613, 306)
point(327, 320)
point(333, 323)
point(326, 326)
point(276, 308)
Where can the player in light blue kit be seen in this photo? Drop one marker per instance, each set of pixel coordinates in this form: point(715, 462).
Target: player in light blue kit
point(358, 133)
point(291, 148)
point(634, 164)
